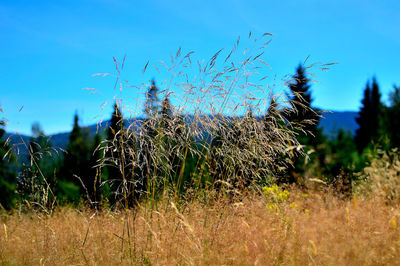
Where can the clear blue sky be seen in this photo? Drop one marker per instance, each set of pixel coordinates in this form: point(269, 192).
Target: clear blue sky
point(50, 49)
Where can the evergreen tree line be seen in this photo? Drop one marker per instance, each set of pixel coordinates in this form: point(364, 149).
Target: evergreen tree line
point(341, 157)
point(378, 123)
point(119, 166)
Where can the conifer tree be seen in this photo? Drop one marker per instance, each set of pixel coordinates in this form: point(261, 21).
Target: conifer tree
point(166, 113)
point(81, 164)
point(370, 116)
point(362, 137)
point(302, 113)
point(116, 123)
point(151, 106)
point(77, 167)
point(377, 112)
point(305, 121)
point(166, 130)
point(8, 176)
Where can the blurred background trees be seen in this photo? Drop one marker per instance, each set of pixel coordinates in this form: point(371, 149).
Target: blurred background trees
point(159, 151)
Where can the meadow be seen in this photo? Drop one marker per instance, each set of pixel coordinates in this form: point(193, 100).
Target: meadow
point(314, 228)
point(227, 168)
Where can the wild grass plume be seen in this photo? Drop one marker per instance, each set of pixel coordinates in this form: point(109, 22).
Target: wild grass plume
point(220, 125)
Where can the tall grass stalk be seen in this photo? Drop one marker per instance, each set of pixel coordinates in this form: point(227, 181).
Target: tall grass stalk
point(228, 129)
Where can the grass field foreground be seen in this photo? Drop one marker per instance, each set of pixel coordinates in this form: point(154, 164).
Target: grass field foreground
point(297, 229)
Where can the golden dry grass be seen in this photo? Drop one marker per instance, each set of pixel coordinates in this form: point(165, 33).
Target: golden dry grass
point(317, 229)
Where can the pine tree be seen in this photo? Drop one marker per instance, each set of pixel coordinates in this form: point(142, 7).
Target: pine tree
point(370, 116)
point(8, 176)
point(116, 123)
point(304, 120)
point(377, 112)
point(166, 132)
point(271, 118)
point(151, 106)
point(362, 137)
point(76, 168)
point(166, 113)
point(302, 113)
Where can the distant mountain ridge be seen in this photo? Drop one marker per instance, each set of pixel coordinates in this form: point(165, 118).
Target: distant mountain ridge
point(330, 125)
point(333, 121)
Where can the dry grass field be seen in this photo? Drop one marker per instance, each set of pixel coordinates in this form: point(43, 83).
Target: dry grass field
point(301, 229)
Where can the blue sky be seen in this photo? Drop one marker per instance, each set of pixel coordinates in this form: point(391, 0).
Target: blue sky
point(49, 50)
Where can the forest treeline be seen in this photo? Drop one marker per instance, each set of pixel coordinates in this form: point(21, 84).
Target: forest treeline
point(165, 155)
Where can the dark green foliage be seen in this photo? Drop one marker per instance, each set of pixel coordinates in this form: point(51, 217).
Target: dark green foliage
point(8, 176)
point(77, 168)
point(370, 118)
point(68, 192)
point(343, 154)
point(339, 161)
point(377, 113)
point(363, 136)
